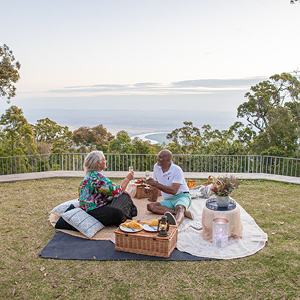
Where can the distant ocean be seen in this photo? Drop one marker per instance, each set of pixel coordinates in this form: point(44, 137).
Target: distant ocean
point(151, 125)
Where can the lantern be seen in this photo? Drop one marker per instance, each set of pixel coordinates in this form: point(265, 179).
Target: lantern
point(163, 226)
point(191, 183)
point(220, 232)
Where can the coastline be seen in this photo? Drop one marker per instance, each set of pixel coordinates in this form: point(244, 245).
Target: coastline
point(146, 136)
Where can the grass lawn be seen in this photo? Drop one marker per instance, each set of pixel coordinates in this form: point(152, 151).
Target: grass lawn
point(272, 273)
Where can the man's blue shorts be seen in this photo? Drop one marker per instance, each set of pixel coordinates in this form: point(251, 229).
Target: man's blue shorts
point(179, 199)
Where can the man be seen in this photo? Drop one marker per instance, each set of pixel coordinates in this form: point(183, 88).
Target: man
point(169, 179)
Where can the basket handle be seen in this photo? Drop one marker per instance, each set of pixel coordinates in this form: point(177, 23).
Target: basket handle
point(208, 182)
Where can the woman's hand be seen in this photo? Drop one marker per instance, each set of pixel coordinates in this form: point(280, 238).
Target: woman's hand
point(130, 176)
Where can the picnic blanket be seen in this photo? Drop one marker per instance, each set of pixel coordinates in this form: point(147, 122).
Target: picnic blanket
point(65, 246)
point(190, 239)
point(108, 232)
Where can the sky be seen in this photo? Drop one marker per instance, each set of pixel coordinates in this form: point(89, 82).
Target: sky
point(191, 55)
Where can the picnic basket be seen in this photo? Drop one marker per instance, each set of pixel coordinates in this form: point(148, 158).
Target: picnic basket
point(147, 243)
point(140, 191)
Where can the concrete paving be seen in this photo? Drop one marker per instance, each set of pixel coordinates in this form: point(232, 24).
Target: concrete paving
point(120, 174)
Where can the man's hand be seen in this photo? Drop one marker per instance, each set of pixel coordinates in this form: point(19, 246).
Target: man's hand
point(167, 189)
point(151, 182)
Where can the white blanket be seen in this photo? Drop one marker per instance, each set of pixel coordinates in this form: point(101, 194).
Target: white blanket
point(190, 239)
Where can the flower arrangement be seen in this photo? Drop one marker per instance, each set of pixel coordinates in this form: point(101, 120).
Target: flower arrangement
point(225, 185)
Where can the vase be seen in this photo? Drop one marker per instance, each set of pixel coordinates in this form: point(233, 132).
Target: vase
point(223, 201)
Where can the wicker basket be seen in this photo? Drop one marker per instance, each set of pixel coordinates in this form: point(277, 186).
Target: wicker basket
point(147, 243)
point(140, 191)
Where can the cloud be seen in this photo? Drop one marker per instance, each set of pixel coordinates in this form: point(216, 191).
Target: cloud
point(200, 86)
point(220, 83)
point(147, 84)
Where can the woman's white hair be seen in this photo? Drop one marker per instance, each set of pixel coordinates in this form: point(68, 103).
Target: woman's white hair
point(91, 161)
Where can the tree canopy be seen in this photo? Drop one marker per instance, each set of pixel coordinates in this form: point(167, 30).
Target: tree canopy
point(93, 138)
point(9, 72)
point(273, 110)
point(17, 133)
point(192, 140)
point(50, 136)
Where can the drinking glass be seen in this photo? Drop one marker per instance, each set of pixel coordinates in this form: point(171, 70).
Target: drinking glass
point(130, 169)
point(147, 187)
point(147, 175)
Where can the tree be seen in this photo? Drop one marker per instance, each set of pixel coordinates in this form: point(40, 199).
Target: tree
point(289, 88)
point(279, 90)
point(190, 139)
point(142, 147)
point(262, 97)
point(9, 72)
point(281, 134)
point(233, 141)
point(273, 109)
point(121, 144)
point(94, 138)
point(51, 137)
point(17, 133)
point(186, 139)
point(243, 134)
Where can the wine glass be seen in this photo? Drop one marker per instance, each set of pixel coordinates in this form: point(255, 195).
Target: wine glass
point(130, 169)
point(147, 175)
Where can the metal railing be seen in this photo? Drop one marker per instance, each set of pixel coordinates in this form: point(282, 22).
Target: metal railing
point(142, 162)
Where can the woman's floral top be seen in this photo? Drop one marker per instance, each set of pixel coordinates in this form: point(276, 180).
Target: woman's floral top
point(96, 190)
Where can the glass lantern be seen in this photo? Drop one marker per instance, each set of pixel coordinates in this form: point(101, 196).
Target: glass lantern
point(191, 183)
point(163, 227)
point(220, 232)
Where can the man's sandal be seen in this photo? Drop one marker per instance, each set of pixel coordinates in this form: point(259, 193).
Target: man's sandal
point(189, 214)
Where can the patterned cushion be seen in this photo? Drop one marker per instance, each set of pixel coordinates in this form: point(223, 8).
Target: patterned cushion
point(61, 208)
point(62, 224)
point(82, 221)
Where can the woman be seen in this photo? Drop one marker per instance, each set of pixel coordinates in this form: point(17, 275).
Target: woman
point(100, 197)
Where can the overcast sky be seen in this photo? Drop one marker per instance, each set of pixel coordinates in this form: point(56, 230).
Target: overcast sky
point(96, 54)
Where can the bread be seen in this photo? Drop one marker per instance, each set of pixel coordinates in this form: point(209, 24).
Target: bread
point(154, 222)
point(132, 224)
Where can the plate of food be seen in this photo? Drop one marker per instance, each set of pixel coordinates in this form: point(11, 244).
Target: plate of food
point(151, 226)
point(132, 226)
point(147, 227)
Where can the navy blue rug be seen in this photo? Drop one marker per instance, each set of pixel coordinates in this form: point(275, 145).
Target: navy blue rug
point(65, 246)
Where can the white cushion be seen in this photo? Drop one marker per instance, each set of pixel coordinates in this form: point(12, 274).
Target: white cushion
point(206, 191)
point(61, 208)
point(82, 221)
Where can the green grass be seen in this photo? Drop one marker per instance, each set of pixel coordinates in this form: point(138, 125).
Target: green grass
point(272, 273)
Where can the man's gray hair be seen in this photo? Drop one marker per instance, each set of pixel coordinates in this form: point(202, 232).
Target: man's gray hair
point(91, 161)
